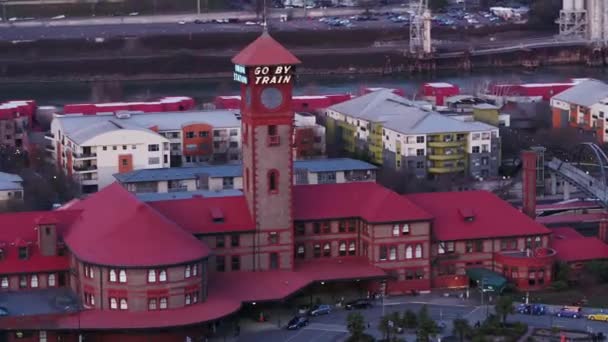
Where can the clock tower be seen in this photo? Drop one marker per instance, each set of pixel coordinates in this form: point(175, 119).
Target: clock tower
point(266, 71)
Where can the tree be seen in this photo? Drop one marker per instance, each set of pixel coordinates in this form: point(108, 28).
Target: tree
point(599, 269)
point(426, 326)
point(410, 321)
point(355, 324)
point(461, 328)
point(384, 327)
point(504, 307)
point(562, 272)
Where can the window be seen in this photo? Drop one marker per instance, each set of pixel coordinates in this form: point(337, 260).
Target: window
point(188, 271)
point(300, 228)
point(272, 130)
point(151, 276)
point(42, 335)
point(163, 303)
point(316, 250)
point(342, 226)
point(327, 249)
point(301, 251)
point(342, 248)
point(124, 147)
point(51, 281)
point(468, 247)
point(124, 161)
point(220, 263)
point(475, 149)
point(34, 281)
point(274, 261)
point(273, 177)
point(23, 253)
point(234, 240)
point(316, 227)
point(234, 132)
point(152, 304)
point(162, 275)
point(405, 229)
point(392, 255)
point(478, 246)
point(409, 252)
point(235, 262)
point(122, 276)
point(152, 148)
point(153, 160)
point(188, 299)
point(113, 303)
point(273, 238)
point(4, 282)
point(420, 139)
point(420, 152)
point(326, 227)
point(123, 304)
point(219, 241)
point(189, 135)
point(352, 225)
point(114, 148)
point(420, 164)
point(396, 230)
point(485, 148)
point(22, 281)
point(418, 251)
point(203, 134)
point(538, 242)
point(133, 147)
point(352, 248)
point(383, 253)
point(508, 244)
point(112, 275)
point(194, 270)
point(105, 148)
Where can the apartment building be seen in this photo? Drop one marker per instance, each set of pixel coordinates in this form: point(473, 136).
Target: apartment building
point(584, 106)
point(230, 176)
point(399, 134)
point(11, 188)
point(15, 120)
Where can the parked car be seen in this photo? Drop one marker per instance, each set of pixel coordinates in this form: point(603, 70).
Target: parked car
point(322, 309)
point(362, 303)
point(569, 312)
point(598, 317)
point(297, 322)
point(531, 309)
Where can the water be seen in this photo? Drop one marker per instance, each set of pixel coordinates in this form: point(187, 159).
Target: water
point(203, 90)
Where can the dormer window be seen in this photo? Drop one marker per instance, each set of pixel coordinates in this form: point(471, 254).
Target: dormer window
point(23, 253)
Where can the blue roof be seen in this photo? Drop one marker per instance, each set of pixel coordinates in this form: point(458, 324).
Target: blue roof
point(236, 170)
point(166, 196)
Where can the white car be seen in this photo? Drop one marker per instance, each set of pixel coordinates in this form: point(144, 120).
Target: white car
point(181, 22)
point(133, 14)
point(250, 23)
point(58, 17)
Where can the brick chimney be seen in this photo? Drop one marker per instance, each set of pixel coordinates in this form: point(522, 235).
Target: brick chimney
point(529, 183)
point(47, 235)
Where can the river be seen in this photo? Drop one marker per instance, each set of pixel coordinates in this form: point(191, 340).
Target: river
point(203, 90)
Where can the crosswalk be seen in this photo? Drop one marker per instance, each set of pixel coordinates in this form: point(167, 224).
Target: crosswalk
point(327, 327)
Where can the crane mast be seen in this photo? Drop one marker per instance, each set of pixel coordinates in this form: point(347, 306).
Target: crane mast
point(420, 29)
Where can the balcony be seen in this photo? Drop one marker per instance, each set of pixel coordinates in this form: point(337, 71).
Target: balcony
point(49, 135)
point(453, 156)
point(180, 188)
point(452, 169)
point(82, 156)
point(447, 143)
point(84, 168)
point(49, 148)
point(274, 140)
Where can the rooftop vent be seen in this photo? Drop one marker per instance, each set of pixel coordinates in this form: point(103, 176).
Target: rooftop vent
point(467, 214)
point(217, 215)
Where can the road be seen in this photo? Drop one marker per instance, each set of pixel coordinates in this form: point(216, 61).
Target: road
point(332, 327)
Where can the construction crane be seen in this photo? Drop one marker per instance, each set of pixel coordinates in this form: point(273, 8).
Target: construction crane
point(420, 29)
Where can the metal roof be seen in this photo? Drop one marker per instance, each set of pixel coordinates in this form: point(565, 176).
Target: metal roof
point(167, 196)
point(586, 93)
point(81, 128)
point(236, 170)
point(9, 181)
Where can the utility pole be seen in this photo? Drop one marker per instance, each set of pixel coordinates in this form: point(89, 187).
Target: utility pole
point(198, 7)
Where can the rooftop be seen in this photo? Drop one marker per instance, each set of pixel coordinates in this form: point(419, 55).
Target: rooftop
point(179, 195)
point(440, 85)
point(235, 170)
point(9, 181)
point(81, 128)
point(127, 236)
point(265, 51)
point(39, 302)
point(586, 93)
point(572, 246)
point(475, 215)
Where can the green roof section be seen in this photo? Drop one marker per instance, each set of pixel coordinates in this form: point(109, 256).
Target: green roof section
point(488, 280)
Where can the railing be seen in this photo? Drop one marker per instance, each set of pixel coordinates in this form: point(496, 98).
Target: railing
point(84, 167)
point(49, 135)
point(84, 155)
point(178, 188)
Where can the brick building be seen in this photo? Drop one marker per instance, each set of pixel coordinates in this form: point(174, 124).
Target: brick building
point(126, 270)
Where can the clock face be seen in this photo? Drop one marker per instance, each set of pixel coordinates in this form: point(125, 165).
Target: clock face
point(272, 98)
point(248, 97)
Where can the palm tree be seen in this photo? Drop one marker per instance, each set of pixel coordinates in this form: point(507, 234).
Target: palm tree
point(461, 328)
point(504, 307)
point(355, 324)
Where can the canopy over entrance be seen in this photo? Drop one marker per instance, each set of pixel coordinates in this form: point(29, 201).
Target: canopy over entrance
point(487, 280)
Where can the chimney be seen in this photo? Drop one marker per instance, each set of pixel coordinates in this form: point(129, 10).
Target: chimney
point(47, 236)
point(603, 230)
point(529, 183)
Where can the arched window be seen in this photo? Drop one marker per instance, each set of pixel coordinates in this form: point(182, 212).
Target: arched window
point(188, 299)
point(151, 276)
point(352, 249)
point(112, 275)
point(418, 251)
point(4, 283)
point(342, 248)
point(392, 253)
point(92, 299)
point(408, 252)
point(273, 181)
point(327, 249)
point(301, 252)
point(163, 303)
point(152, 304)
point(34, 281)
point(51, 280)
point(123, 304)
point(122, 276)
point(194, 270)
point(113, 303)
point(162, 275)
point(188, 271)
point(538, 241)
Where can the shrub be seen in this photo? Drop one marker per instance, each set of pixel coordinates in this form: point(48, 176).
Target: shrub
point(559, 285)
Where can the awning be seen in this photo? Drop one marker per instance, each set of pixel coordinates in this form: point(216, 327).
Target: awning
point(488, 280)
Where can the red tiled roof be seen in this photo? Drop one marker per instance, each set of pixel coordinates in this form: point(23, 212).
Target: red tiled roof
point(226, 293)
point(265, 51)
point(116, 229)
point(196, 214)
point(571, 218)
point(368, 200)
point(560, 233)
point(493, 217)
point(580, 249)
point(36, 263)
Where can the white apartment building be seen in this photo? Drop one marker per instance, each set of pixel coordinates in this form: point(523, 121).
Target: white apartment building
point(11, 188)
